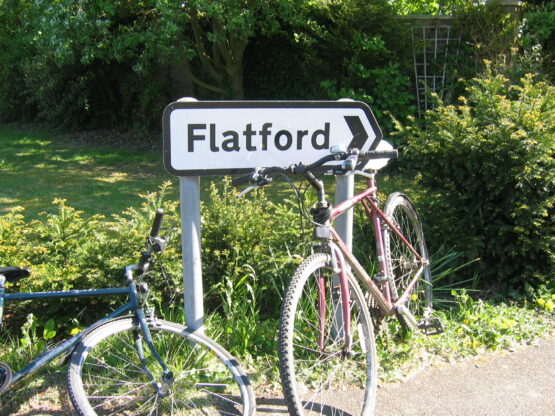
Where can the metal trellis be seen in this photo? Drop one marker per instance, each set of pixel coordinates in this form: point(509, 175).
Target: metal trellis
point(434, 42)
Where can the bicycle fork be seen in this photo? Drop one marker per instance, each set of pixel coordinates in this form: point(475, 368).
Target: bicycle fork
point(162, 388)
point(341, 322)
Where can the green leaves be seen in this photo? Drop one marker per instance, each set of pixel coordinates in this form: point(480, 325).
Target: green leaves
point(490, 159)
point(31, 341)
point(246, 241)
point(49, 331)
point(249, 248)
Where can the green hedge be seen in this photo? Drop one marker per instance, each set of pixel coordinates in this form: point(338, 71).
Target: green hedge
point(489, 163)
point(346, 49)
point(250, 247)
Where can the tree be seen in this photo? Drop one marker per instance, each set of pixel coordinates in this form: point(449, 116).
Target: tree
point(204, 39)
point(16, 46)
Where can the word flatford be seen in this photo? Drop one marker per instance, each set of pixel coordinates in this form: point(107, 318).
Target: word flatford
point(252, 140)
point(224, 137)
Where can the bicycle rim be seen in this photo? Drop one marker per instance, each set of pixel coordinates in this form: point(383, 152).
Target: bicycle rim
point(316, 375)
point(106, 377)
point(401, 262)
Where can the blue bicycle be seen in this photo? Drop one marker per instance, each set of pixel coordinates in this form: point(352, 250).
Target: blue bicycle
point(133, 363)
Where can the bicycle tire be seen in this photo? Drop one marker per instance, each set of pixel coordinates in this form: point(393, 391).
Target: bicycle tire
point(312, 377)
point(5, 376)
point(401, 262)
point(105, 375)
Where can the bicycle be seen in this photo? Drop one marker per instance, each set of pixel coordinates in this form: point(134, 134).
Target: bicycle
point(133, 363)
point(326, 332)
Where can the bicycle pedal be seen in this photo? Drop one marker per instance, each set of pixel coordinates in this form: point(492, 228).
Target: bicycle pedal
point(431, 326)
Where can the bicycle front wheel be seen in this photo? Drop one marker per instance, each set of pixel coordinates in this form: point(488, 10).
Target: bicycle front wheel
point(402, 263)
point(319, 374)
point(106, 376)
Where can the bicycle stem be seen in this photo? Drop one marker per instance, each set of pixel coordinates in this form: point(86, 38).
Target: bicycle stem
point(319, 186)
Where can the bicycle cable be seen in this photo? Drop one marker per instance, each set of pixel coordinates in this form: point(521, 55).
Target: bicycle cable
point(304, 212)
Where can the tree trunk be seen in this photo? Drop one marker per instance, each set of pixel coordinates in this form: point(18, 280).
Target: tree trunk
point(236, 79)
point(181, 83)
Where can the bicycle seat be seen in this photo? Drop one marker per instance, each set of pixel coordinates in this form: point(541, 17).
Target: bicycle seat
point(13, 274)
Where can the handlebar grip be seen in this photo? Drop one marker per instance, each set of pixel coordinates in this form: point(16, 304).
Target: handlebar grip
point(381, 154)
point(157, 223)
point(242, 180)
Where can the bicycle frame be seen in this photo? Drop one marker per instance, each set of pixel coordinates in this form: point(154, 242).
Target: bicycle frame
point(133, 305)
point(383, 298)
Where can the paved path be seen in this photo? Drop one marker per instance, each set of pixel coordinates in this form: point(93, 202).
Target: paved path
point(519, 383)
point(515, 383)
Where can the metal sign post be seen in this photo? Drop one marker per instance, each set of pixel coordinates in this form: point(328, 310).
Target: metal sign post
point(189, 196)
point(189, 191)
point(344, 189)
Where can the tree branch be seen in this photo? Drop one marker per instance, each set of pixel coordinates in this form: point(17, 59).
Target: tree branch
point(207, 63)
point(198, 81)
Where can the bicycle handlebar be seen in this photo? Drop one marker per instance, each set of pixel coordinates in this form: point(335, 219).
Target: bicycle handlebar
point(260, 173)
point(381, 154)
point(157, 223)
point(241, 180)
point(155, 243)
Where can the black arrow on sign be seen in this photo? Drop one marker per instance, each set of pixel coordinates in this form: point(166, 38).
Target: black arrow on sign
point(358, 130)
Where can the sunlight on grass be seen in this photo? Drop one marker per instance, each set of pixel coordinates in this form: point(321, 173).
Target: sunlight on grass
point(115, 177)
point(4, 200)
point(36, 167)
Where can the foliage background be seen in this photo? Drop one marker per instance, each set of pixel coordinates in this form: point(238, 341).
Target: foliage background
point(489, 162)
point(116, 64)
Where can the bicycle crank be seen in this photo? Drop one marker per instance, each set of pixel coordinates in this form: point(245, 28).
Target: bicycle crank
point(406, 317)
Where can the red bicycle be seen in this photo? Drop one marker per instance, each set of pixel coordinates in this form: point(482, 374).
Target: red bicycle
point(326, 334)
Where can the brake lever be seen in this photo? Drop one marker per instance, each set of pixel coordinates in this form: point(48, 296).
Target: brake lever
point(157, 244)
point(247, 190)
point(262, 180)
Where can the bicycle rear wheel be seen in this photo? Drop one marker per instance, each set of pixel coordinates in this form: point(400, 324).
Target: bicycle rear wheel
point(401, 261)
point(314, 365)
point(106, 377)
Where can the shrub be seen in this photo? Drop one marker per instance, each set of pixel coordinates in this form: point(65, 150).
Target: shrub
point(489, 163)
point(247, 241)
point(363, 45)
point(345, 49)
point(488, 30)
point(16, 48)
point(538, 35)
point(248, 248)
point(67, 251)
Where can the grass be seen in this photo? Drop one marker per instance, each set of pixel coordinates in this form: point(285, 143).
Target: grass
point(472, 327)
point(37, 166)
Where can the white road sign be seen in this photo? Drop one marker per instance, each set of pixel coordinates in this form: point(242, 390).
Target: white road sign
point(224, 137)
